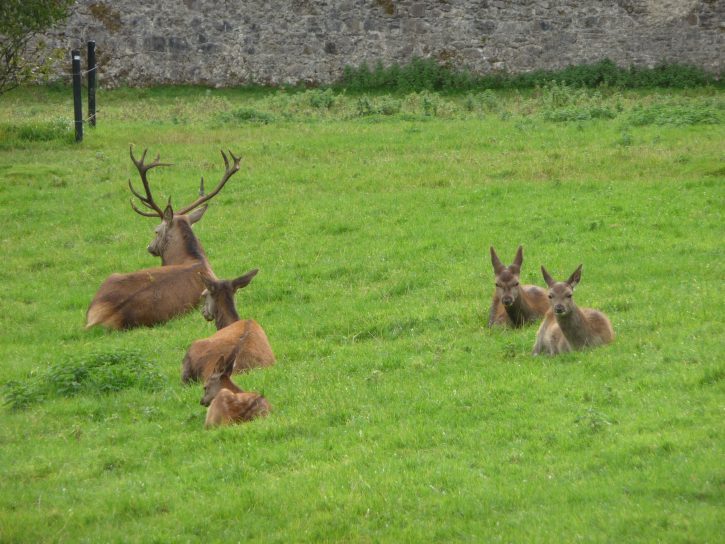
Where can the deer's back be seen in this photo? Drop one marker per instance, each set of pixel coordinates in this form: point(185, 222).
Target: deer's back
point(145, 297)
point(254, 351)
point(601, 330)
point(228, 407)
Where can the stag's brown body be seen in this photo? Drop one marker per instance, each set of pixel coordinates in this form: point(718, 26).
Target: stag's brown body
point(244, 338)
point(155, 295)
point(566, 327)
point(515, 305)
point(227, 402)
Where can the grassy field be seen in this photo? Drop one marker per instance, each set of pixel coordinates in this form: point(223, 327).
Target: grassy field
point(398, 416)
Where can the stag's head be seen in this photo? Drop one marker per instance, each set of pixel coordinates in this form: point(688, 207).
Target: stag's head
point(561, 293)
point(507, 277)
point(172, 234)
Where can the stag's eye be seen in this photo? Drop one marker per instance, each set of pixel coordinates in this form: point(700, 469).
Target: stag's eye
point(551, 296)
point(568, 296)
point(516, 284)
point(499, 286)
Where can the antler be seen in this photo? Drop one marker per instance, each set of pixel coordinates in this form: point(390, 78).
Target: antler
point(229, 172)
point(148, 200)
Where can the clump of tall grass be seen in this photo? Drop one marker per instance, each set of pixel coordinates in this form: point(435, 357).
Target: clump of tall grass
point(37, 131)
point(92, 373)
point(427, 74)
point(684, 114)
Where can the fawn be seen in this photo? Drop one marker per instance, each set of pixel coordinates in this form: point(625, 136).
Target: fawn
point(227, 402)
point(566, 327)
point(514, 305)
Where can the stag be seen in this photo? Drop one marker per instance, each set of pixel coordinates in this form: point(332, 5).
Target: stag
point(155, 295)
point(245, 338)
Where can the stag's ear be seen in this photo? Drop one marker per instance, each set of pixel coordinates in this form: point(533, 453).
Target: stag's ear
point(243, 281)
point(547, 278)
point(496, 262)
point(168, 213)
point(196, 214)
point(575, 277)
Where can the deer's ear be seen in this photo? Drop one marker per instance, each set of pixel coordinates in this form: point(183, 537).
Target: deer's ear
point(243, 281)
point(575, 277)
point(496, 262)
point(547, 277)
point(197, 214)
point(519, 259)
point(208, 282)
point(168, 213)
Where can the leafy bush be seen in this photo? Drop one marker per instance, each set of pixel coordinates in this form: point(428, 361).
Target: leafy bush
point(92, 373)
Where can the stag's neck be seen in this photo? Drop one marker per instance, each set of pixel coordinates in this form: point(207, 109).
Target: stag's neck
point(184, 248)
point(226, 313)
point(575, 328)
point(521, 311)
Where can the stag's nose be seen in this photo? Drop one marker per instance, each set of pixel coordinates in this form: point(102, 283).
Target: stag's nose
point(559, 309)
point(507, 300)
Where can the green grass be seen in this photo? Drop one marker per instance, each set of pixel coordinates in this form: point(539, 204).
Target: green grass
point(398, 416)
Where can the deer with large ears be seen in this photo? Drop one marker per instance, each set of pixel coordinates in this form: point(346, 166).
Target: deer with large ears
point(567, 327)
point(227, 402)
point(245, 338)
point(513, 304)
point(155, 295)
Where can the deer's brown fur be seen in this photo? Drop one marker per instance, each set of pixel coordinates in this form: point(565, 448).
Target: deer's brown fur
point(227, 402)
point(245, 338)
point(155, 295)
point(514, 305)
point(566, 327)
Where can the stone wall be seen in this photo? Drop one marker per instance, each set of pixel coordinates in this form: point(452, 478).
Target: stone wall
point(227, 42)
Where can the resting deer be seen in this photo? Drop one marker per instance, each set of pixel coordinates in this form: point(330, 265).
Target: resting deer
point(514, 305)
point(155, 295)
point(245, 338)
point(567, 327)
point(226, 401)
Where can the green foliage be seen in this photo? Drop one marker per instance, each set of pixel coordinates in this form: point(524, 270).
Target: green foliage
point(426, 74)
point(88, 374)
point(21, 20)
point(244, 115)
point(37, 131)
point(700, 113)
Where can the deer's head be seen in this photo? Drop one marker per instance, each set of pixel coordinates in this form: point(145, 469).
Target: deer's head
point(507, 277)
point(561, 293)
point(218, 295)
point(173, 235)
point(219, 379)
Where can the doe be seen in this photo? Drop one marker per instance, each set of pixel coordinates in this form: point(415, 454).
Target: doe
point(245, 339)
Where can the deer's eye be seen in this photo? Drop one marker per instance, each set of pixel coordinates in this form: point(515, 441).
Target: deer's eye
point(551, 296)
point(516, 284)
point(568, 296)
point(499, 286)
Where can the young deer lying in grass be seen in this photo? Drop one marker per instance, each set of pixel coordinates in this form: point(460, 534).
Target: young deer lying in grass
point(514, 305)
point(226, 401)
point(245, 338)
point(155, 295)
point(567, 327)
